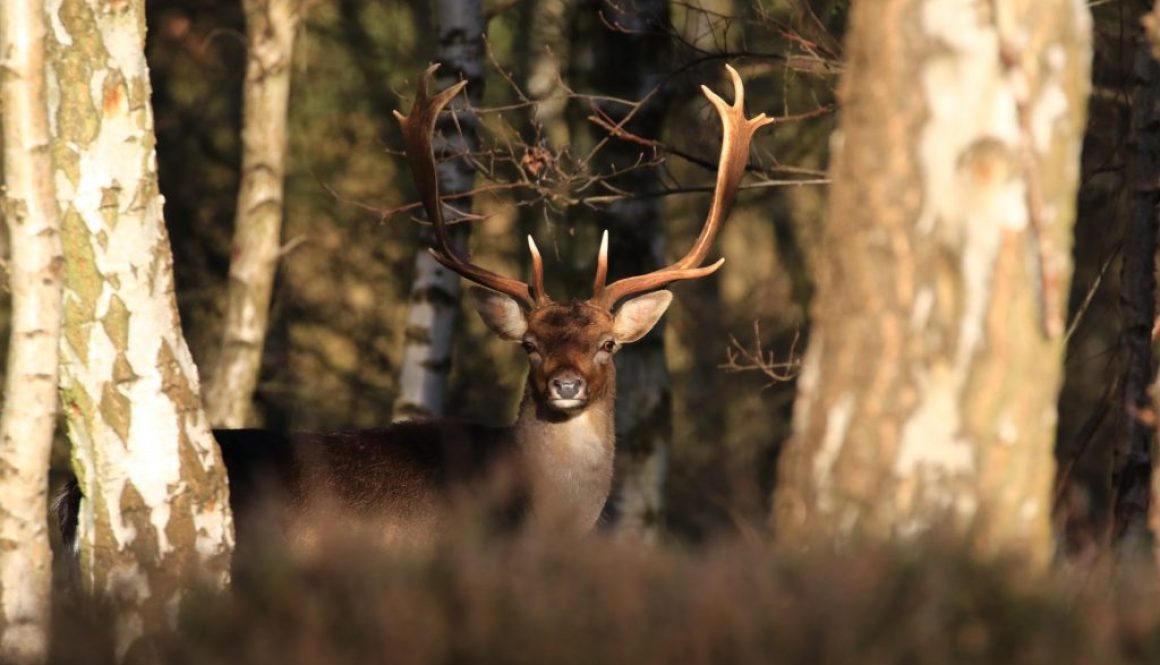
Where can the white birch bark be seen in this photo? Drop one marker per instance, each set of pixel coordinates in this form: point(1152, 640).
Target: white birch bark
point(270, 29)
point(155, 515)
point(30, 391)
point(927, 398)
point(434, 300)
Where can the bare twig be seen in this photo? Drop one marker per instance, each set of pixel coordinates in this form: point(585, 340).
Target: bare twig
point(740, 358)
point(1091, 294)
point(618, 131)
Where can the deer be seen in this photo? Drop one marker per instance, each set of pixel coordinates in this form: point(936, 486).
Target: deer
point(559, 451)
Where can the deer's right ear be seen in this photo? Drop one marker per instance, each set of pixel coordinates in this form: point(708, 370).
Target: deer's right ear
point(501, 313)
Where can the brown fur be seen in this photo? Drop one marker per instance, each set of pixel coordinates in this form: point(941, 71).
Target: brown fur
point(569, 338)
point(555, 464)
point(400, 481)
point(399, 484)
point(570, 452)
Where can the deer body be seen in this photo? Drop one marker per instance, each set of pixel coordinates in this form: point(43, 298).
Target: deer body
point(554, 471)
point(557, 458)
point(406, 477)
point(554, 465)
point(394, 480)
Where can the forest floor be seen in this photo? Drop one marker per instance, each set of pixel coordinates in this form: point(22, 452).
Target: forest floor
point(474, 599)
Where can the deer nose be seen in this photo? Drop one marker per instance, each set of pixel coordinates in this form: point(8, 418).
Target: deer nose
point(567, 387)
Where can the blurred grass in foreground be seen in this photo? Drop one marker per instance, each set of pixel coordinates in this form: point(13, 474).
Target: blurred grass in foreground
point(471, 599)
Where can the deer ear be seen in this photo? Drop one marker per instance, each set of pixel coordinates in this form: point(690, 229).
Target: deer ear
point(638, 316)
point(501, 313)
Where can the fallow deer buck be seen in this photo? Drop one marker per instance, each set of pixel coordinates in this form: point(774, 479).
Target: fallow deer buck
point(560, 449)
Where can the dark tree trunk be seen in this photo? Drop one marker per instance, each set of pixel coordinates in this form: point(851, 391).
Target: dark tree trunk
point(1132, 466)
point(629, 64)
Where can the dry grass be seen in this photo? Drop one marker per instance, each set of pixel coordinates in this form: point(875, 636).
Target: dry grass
point(474, 599)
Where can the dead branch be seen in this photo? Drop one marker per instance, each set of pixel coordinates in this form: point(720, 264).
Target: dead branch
point(742, 358)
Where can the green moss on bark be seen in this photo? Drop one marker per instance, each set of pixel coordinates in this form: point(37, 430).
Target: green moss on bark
point(117, 411)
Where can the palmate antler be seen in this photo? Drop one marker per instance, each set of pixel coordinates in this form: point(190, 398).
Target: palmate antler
point(418, 128)
point(738, 131)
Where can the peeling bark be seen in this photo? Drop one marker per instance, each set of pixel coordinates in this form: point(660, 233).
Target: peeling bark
point(927, 400)
point(629, 63)
point(155, 517)
point(270, 29)
point(434, 300)
point(28, 419)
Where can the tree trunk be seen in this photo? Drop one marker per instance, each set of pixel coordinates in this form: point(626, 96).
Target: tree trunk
point(1147, 152)
point(435, 290)
point(156, 513)
point(30, 391)
point(1132, 465)
point(546, 53)
point(629, 63)
point(927, 399)
point(270, 29)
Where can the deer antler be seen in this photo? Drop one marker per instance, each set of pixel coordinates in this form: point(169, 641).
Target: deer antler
point(737, 133)
point(418, 128)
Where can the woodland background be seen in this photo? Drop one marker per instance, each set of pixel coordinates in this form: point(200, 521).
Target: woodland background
point(338, 315)
point(336, 327)
point(732, 344)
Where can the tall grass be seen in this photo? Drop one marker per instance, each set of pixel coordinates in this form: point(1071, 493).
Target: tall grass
point(522, 600)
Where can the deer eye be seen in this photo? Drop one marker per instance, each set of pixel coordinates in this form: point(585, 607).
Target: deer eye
point(608, 346)
point(530, 347)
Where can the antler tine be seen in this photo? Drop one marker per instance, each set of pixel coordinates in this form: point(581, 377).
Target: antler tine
point(418, 127)
point(539, 295)
point(737, 132)
point(601, 264)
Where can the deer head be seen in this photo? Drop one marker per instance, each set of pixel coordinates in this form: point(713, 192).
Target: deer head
point(570, 346)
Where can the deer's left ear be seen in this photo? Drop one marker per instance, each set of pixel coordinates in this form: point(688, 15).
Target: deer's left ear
point(638, 316)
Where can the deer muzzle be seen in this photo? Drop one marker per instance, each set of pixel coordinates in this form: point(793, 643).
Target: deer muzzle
point(567, 391)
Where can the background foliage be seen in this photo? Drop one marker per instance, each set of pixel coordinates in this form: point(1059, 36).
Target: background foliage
point(336, 337)
point(336, 331)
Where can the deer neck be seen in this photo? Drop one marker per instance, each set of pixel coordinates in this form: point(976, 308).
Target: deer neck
point(569, 460)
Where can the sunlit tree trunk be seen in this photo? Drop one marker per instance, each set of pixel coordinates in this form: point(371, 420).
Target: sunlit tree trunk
point(547, 53)
point(270, 29)
point(1132, 465)
point(30, 391)
point(630, 62)
point(155, 515)
point(435, 290)
point(927, 399)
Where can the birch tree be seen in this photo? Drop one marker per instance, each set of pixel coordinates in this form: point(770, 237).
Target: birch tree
point(270, 29)
point(629, 64)
point(155, 513)
point(30, 391)
point(434, 299)
point(927, 397)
